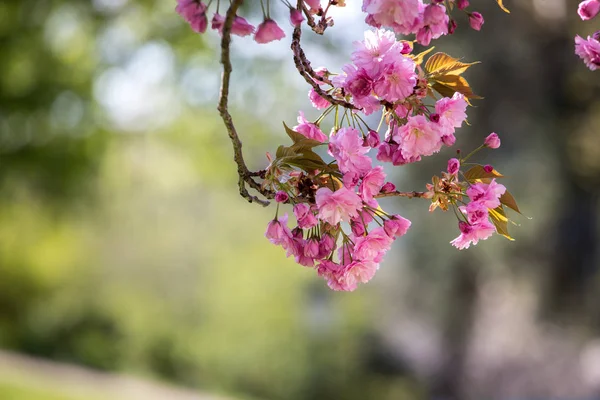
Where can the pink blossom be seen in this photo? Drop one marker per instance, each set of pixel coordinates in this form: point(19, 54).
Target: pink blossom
point(346, 146)
point(357, 227)
point(337, 278)
point(452, 111)
point(337, 206)
point(350, 179)
point(309, 129)
point(311, 248)
point(371, 183)
point(373, 246)
point(296, 17)
point(326, 245)
point(388, 187)
point(476, 212)
point(239, 27)
point(397, 80)
point(305, 217)
point(488, 168)
point(268, 31)
point(317, 101)
point(589, 51)
point(194, 12)
point(486, 194)
point(356, 81)
point(277, 231)
point(492, 141)
point(189, 8)
point(361, 271)
point(396, 226)
point(281, 196)
point(402, 16)
point(472, 234)
point(370, 53)
point(588, 9)
point(476, 20)
point(372, 140)
point(453, 166)
point(435, 21)
point(424, 36)
point(418, 137)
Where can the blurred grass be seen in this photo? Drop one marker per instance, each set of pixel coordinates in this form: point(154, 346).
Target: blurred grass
point(11, 391)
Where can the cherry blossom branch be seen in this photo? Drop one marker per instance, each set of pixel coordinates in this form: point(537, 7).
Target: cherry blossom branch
point(244, 174)
point(303, 64)
point(409, 195)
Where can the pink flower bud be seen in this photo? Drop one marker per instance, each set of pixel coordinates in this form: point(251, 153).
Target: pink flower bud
point(424, 36)
point(326, 245)
point(451, 26)
point(476, 20)
point(588, 9)
point(268, 31)
point(406, 47)
point(396, 226)
point(357, 227)
point(488, 168)
point(296, 17)
point(462, 4)
point(194, 13)
point(449, 140)
point(281, 197)
point(388, 187)
point(434, 117)
point(239, 27)
point(596, 36)
point(492, 141)
point(372, 139)
point(453, 166)
point(311, 248)
point(217, 22)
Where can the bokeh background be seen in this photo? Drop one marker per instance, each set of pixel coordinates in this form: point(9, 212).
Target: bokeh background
point(131, 269)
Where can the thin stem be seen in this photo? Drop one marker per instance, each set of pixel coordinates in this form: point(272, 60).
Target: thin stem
point(471, 153)
point(396, 193)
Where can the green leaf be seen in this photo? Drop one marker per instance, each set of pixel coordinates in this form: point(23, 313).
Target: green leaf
point(298, 138)
point(509, 201)
point(442, 64)
point(500, 221)
point(478, 173)
point(502, 6)
point(284, 151)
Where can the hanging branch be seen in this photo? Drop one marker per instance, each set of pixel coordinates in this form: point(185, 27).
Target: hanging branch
point(244, 174)
point(303, 64)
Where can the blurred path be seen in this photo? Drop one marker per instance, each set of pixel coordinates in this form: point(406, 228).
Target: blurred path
point(43, 375)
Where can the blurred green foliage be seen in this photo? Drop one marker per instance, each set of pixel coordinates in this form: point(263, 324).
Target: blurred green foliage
point(129, 250)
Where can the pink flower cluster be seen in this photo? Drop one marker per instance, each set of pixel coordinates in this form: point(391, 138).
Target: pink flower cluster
point(380, 72)
point(426, 21)
point(319, 226)
point(194, 12)
point(589, 49)
point(483, 196)
point(421, 135)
